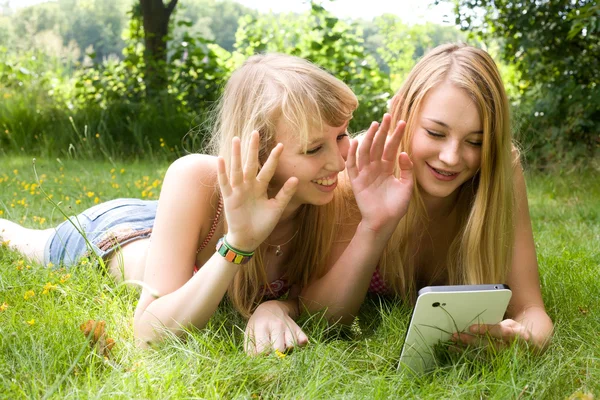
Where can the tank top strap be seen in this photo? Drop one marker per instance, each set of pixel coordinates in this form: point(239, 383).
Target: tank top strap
point(213, 227)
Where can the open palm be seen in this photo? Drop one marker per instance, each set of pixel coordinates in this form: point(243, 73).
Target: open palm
point(251, 215)
point(381, 197)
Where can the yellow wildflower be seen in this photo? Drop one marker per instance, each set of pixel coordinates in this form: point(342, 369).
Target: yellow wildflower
point(90, 194)
point(96, 200)
point(4, 306)
point(122, 171)
point(31, 322)
point(49, 265)
point(28, 294)
point(280, 354)
point(64, 278)
point(1, 212)
point(77, 201)
point(48, 287)
point(15, 171)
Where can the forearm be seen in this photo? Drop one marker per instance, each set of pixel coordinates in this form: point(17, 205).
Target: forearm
point(538, 323)
point(192, 304)
point(342, 290)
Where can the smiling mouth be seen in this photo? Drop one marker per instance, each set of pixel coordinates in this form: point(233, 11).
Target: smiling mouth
point(442, 172)
point(326, 181)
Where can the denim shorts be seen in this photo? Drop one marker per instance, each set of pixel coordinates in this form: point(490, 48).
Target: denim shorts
point(106, 227)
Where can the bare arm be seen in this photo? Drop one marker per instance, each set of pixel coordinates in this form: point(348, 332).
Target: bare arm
point(527, 317)
point(383, 200)
point(184, 300)
point(526, 306)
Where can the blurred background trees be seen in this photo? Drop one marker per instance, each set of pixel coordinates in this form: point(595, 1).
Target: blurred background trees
point(76, 78)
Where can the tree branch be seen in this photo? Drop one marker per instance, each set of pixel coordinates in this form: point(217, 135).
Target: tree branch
point(171, 6)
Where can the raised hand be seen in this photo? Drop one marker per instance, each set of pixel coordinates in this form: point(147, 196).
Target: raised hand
point(251, 215)
point(381, 197)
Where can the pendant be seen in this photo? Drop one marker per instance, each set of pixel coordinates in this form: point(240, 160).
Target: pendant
point(278, 251)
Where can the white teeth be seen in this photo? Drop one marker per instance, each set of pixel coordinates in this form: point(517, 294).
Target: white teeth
point(326, 182)
point(444, 172)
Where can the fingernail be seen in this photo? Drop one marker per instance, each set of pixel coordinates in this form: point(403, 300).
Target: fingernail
point(474, 329)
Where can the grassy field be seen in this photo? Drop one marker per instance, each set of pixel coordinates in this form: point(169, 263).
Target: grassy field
point(43, 353)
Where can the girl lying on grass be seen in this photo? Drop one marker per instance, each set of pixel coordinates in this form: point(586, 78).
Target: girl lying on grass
point(468, 219)
point(256, 222)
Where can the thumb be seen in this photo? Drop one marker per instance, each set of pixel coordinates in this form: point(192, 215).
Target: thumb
point(406, 166)
point(285, 194)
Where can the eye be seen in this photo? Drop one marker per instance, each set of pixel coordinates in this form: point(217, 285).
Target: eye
point(314, 151)
point(434, 134)
point(342, 136)
point(476, 144)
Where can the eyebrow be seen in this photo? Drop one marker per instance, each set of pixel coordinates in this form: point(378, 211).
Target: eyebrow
point(445, 125)
point(320, 139)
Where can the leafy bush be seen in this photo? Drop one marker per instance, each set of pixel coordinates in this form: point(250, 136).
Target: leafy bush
point(555, 47)
point(325, 40)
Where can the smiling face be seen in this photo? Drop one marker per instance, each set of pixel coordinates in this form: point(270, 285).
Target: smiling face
point(316, 165)
point(446, 142)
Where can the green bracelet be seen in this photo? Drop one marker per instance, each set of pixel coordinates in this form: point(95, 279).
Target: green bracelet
point(232, 254)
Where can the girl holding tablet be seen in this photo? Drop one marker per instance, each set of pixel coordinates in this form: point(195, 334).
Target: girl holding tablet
point(466, 220)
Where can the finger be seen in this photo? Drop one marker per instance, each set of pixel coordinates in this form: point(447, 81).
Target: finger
point(236, 177)
point(266, 172)
point(464, 338)
point(278, 341)
point(286, 193)
point(262, 341)
point(222, 176)
point(406, 167)
point(251, 166)
point(380, 139)
point(351, 160)
point(507, 331)
point(365, 146)
point(301, 338)
point(392, 144)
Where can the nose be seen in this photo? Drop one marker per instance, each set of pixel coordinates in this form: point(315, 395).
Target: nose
point(336, 159)
point(450, 153)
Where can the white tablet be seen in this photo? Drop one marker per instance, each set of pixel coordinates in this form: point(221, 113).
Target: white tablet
point(442, 310)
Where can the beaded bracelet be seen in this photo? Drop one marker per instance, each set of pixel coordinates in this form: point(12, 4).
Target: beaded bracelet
point(232, 254)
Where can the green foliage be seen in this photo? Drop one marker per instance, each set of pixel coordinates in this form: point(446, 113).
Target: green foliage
point(400, 46)
point(327, 41)
point(215, 20)
point(555, 47)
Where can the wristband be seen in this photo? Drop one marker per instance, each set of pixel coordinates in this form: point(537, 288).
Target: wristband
point(232, 254)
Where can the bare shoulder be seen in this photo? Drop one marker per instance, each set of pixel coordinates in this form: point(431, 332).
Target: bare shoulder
point(194, 168)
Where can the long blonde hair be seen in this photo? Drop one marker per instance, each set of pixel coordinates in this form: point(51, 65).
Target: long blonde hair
point(265, 89)
point(481, 252)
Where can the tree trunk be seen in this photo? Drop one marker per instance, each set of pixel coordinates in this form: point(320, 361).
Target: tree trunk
point(156, 16)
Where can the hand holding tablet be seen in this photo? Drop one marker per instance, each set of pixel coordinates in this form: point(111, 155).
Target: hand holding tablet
point(441, 311)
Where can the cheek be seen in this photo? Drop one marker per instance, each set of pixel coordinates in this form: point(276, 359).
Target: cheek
point(344, 147)
point(474, 159)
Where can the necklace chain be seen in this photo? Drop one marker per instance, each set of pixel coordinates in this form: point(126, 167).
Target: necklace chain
point(278, 251)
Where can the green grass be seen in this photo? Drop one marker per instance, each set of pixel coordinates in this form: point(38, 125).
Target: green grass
point(51, 357)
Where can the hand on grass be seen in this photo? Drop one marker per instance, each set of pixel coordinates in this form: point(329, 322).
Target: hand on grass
point(272, 328)
point(251, 215)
